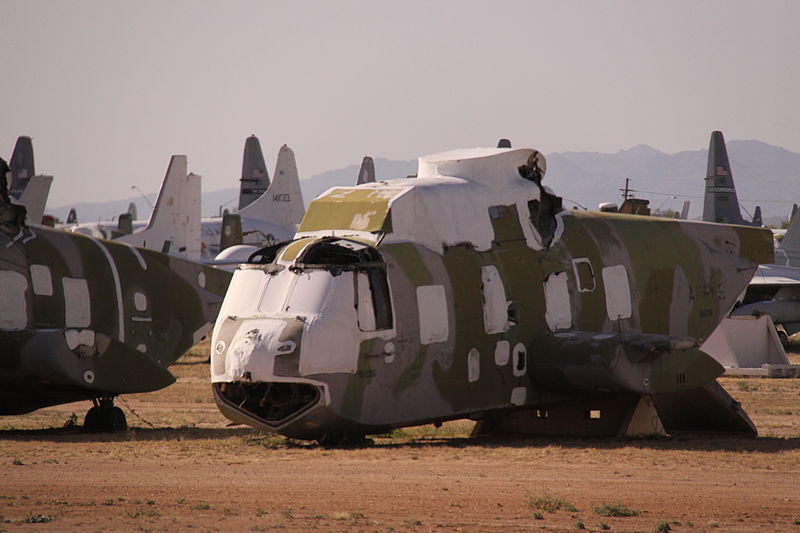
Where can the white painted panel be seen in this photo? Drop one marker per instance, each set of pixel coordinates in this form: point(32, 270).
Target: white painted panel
point(495, 305)
point(518, 395)
point(140, 301)
point(473, 365)
point(13, 308)
point(41, 280)
point(331, 340)
point(433, 320)
point(618, 292)
point(275, 292)
point(242, 295)
point(366, 314)
point(306, 296)
point(520, 360)
point(556, 293)
point(77, 306)
point(501, 353)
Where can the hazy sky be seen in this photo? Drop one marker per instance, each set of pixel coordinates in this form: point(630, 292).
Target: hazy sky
point(109, 90)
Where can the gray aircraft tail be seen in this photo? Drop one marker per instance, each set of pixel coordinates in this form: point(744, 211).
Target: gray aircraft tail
point(255, 177)
point(367, 172)
point(757, 220)
point(282, 204)
point(132, 211)
point(72, 217)
point(721, 203)
point(21, 165)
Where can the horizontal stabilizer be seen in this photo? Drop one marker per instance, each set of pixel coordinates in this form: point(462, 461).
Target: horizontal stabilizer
point(709, 408)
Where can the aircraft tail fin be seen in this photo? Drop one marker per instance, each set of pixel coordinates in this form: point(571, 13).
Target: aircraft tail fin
point(132, 210)
point(504, 143)
point(720, 203)
point(757, 220)
point(789, 247)
point(72, 217)
point(231, 231)
point(174, 224)
point(255, 177)
point(282, 203)
point(685, 210)
point(366, 173)
point(22, 167)
point(34, 197)
point(124, 226)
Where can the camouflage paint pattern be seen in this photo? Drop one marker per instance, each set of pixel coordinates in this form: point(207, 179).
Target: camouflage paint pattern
point(615, 306)
point(81, 318)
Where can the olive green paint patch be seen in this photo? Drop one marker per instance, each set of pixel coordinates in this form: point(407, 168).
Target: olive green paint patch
point(353, 209)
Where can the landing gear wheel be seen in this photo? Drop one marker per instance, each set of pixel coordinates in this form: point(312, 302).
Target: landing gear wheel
point(114, 420)
point(93, 421)
point(104, 417)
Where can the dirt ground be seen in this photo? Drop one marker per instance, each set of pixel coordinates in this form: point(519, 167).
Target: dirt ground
point(180, 468)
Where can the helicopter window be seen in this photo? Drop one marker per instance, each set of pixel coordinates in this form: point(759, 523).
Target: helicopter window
point(373, 302)
point(13, 309)
point(339, 252)
point(618, 292)
point(495, 305)
point(584, 274)
point(308, 293)
point(433, 319)
point(77, 311)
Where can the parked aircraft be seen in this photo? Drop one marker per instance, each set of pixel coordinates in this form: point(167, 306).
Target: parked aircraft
point(25, 186)
point(84, 318)
point(174, 224)
point(366, 174)
point(721, 203)
point(267, 217)
point(469, 291)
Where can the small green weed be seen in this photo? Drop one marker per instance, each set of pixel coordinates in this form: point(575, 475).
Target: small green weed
point(663, 527)
point(551, 504)
point(614, 510)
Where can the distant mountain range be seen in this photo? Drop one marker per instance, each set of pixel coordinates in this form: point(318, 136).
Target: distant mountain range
point(765, 175)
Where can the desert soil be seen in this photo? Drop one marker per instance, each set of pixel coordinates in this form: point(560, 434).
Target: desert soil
point(181, 468)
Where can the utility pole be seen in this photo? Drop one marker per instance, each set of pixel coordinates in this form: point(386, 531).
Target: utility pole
point(626, 192)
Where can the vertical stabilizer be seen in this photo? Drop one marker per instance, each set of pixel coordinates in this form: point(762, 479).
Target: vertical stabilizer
point(72, 217)
point(721, 203)
point(34, 197)
point(685, 210)
point(22, 169)
point(132, 211)
point(757, 220)
point(367, 172)
point(175, 221)
point(231, 233)
point(788, 251)
point(255, 177)
point(282, 204)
